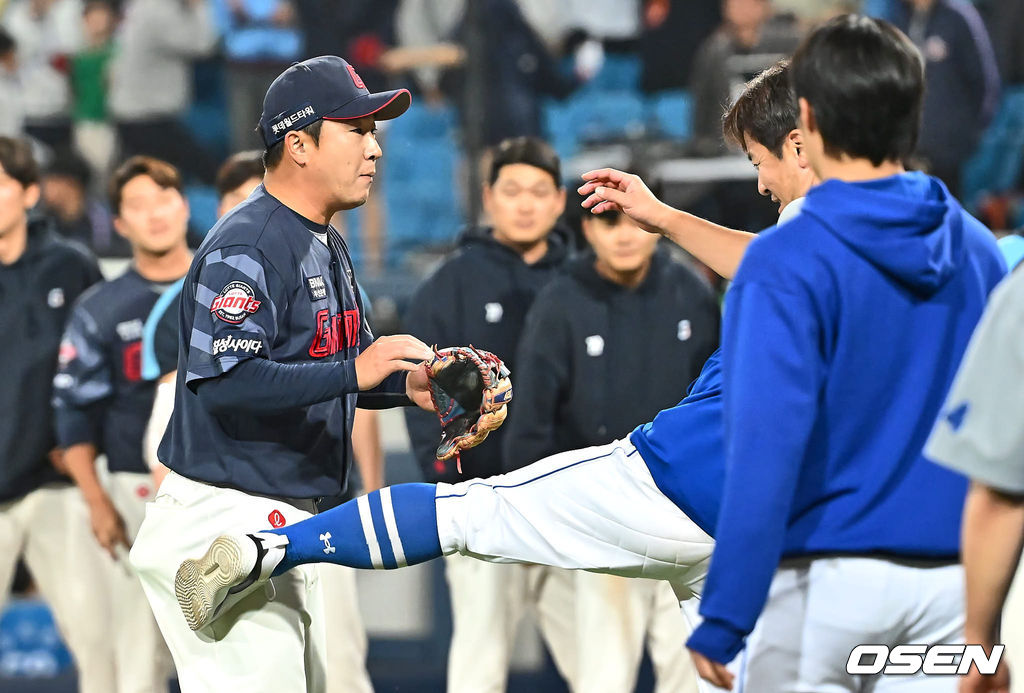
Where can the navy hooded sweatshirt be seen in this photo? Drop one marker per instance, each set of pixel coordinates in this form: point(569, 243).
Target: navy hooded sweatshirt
point(842, 333)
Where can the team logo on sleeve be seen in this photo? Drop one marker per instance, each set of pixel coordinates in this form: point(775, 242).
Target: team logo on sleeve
point(234, 303)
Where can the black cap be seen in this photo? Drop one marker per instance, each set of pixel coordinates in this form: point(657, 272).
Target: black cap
point(323, 88)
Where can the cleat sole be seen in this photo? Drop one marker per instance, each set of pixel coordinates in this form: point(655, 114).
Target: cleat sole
point(198, 581)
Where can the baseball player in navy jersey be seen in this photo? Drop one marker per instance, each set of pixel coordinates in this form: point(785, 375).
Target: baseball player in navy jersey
point(102, 401)
point(274, 356)
point(643, 506)
point(346, 639)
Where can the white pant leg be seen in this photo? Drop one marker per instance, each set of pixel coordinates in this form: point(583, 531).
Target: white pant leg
point(12, 542)
point(143, 661)
point(611, 624)
point(66, 563)
point(615, 616)
point(818, 611)
point(273, 640)
point(667, 631)
point(487, 603)
point(346, 635)
point(593, 509)
point(553, 597)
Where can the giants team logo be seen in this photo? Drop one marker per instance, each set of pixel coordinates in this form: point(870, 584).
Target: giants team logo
point(334, 333)
point(276, 519)
point(235, 301)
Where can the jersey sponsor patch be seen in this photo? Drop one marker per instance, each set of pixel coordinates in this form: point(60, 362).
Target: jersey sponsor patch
point(317, 287)
point(276, 519)
point(235, 302)
point(129, 330)
point(234, 345)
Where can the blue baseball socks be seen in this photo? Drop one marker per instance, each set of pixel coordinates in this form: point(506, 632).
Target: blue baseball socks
point(390, 528)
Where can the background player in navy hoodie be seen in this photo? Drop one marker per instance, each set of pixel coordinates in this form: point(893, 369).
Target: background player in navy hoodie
point(480, 296)
point(103, 402)
point(589, 339)
point(843, 330)
point(43, 519)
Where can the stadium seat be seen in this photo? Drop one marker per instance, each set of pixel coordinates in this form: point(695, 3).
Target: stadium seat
point(30, 646)
point(672, 113)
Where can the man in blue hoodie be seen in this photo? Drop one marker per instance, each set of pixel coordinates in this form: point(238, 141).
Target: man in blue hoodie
point(844, 329)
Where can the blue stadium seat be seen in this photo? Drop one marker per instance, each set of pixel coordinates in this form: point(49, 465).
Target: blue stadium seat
point(30, 645)
point(606, 115)
point(619, 72)
point(672, 113)
point(202, 203)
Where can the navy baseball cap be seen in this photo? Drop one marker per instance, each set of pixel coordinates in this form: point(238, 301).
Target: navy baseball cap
point(326, 88)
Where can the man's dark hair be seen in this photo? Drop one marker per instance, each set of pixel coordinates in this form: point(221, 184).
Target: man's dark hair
point(66, 163)
point(237, 169)
point(765, 112)
point(274, 153)
point(162, 173)
point(18, 162)
point(865, 81)
point(532, 151)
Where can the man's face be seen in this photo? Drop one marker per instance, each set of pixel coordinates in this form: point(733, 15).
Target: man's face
point(524, 203)
point(15, 201)
point(64, 196)
point(233, 198)
point(745, 14)
point(346, 159)
point(783, 179)
point(622, 246)
point(153, 218)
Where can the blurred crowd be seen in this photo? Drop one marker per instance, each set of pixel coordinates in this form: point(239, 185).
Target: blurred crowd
point(93, 82)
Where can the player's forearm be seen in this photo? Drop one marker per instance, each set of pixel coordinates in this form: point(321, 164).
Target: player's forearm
point(80, 460)
point(262, 386)
point(993, 530)
point(718, 247)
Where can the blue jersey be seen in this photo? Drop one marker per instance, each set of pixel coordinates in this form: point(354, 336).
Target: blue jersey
point(263, 286)
point(100, 396)
point(684, 447)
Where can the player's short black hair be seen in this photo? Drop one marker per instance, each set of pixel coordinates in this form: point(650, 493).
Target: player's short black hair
point(237, 169)
point(66, 163)
point(865, 81)
point(162, 173)
point(765, 112)
point(532, 151)
point(18, 162)
point(274, 153)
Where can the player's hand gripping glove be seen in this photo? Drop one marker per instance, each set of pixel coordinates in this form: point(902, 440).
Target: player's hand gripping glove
point(470, 389)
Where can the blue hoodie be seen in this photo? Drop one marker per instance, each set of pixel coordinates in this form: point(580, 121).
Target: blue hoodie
point(842, 333)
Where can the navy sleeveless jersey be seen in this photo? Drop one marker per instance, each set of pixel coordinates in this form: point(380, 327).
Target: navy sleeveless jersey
point(263, 286)
point(100, 396)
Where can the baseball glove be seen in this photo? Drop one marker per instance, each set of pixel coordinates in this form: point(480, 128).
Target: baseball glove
point(470, 389)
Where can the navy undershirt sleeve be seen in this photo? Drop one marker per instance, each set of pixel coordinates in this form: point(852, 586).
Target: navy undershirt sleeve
point(263, 386)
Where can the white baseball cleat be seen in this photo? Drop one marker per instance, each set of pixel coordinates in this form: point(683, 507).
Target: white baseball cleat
point(228, 571)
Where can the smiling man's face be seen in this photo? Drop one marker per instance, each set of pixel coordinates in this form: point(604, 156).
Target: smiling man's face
point(783, 179)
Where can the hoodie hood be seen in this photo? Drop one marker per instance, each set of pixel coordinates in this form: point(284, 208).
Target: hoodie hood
point(908, 226)
point(557, 252)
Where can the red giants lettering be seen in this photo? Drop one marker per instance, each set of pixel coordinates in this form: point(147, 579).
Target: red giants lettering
point(131, 361)
point(334, 333)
